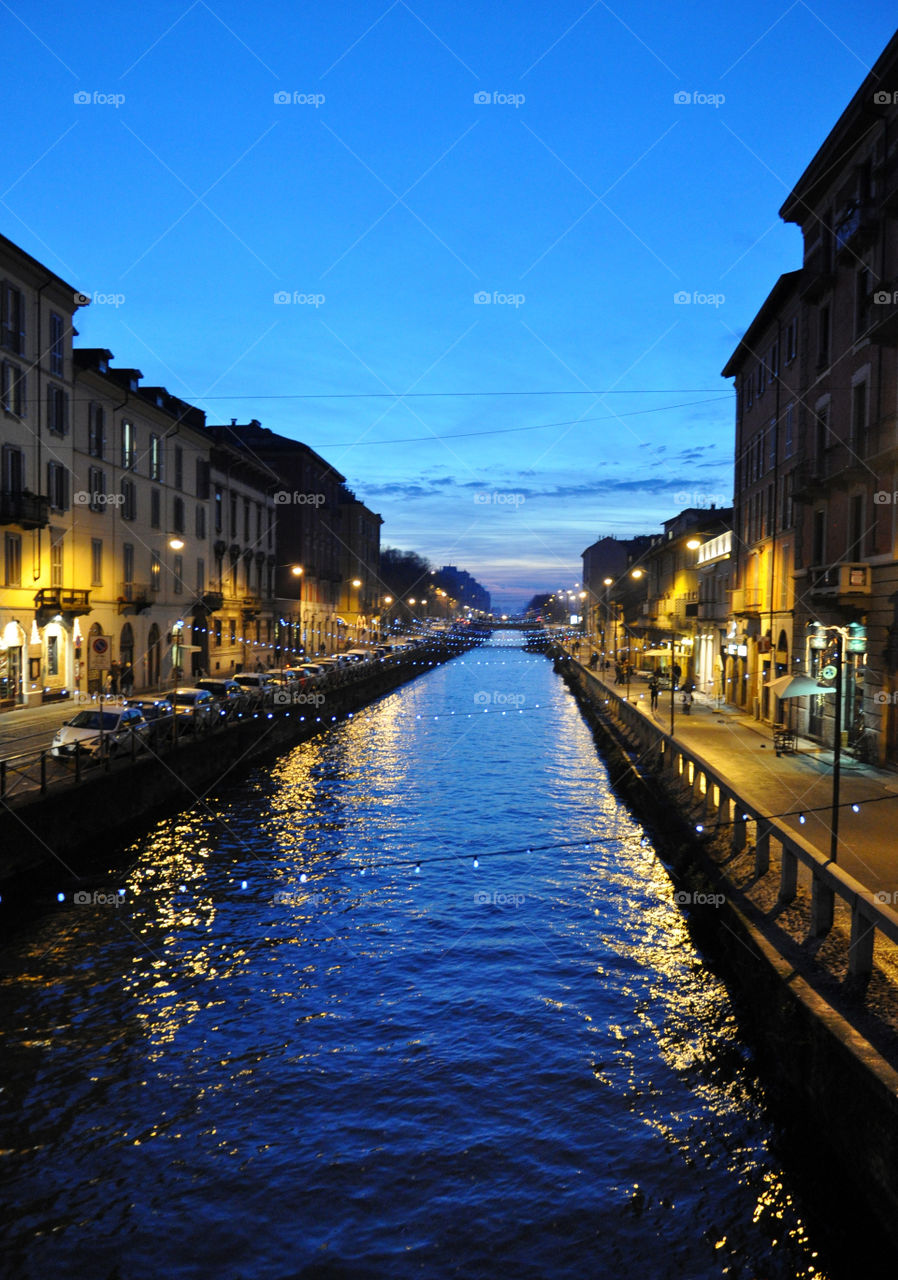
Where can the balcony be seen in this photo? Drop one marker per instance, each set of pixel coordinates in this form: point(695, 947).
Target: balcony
point(746, 600)
point(52, 600)
point(134, 597)
point(251, 607)
point(836, 580)
point(212, 601)
point(855, 229)
point(24, 509)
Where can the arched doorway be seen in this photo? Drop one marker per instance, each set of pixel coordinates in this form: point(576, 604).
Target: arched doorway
point(153, 656)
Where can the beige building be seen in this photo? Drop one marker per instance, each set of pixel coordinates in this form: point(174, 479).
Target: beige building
point(42, 600)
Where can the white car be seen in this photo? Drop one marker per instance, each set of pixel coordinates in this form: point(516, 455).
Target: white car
point(101, 731)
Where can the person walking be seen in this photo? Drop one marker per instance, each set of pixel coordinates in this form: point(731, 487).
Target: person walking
point(654, 689)
point(127, 681)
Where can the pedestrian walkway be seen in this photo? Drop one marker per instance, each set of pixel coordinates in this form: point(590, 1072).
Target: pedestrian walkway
point(741, 749)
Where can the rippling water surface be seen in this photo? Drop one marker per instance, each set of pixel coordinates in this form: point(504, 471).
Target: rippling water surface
point(316, 1040)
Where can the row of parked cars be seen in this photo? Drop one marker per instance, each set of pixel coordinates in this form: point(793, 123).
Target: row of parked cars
point(109, 728)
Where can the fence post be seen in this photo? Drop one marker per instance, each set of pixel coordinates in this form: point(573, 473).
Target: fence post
point(860, 948)
point(762, 850)
point(788, 874)
point(822, 906)
point(740, 827)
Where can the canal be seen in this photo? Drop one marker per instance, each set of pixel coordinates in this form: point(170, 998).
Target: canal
point(415, 1000)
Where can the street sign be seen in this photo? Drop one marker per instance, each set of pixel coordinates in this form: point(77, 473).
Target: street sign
point(829, 672)
point(97, 654)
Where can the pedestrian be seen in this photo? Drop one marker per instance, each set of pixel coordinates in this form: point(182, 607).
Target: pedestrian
point(618, 674)
point(677, 672)
point(687, 702)
point(654, 689)
point(127, 680)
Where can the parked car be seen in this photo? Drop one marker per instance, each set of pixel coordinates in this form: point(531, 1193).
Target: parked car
point(99, 732)
point(158, 713)
point(258, 685)
point(195, 709)
point(231, 697)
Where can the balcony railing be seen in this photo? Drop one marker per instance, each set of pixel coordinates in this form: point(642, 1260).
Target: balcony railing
point(25, 509)
point(840, 579)
point(62, 600)
point(134, 595)
point(746, 600)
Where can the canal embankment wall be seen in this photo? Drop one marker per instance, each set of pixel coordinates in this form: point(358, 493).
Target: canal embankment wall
point(57, 831)
point(829, 1057)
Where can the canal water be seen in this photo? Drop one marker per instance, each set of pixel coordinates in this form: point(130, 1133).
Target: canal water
point(415, 1000)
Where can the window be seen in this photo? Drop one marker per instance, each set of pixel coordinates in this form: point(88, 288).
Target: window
point(52, 655)
point(217, 633)
point(202, 478)
point(12, 319)
point(762, 379)
point(749, 392)
point(179, 467)
point(200, 521)
point(96, 562)
point(129, 500)
point(232, 631)
point(771, 458)
point(819, 537)
point(57, 486)
point(774, 360)
point(12, 469)
point(258, 524)
point(178, 515)
point(96, 431)
point(129, 445)
point(791, 341)
point(57, 538)
point(12, 389)
point(178, 567)
point(57, 352)
point(246, 508)
point(57, 410)
point(96, 488)
point(219, 508)
point(855, 548)
point(822, 433)
point(12, 558)
point(861, 300)
point(787, 510)
point(270, 530)
point(155, 571)
point(156, 508)
point(128, 563)
point(155, 458)
point(823, 336)
point(789, 432)
point(233, 497)
point(200, 577)
point(859, 416)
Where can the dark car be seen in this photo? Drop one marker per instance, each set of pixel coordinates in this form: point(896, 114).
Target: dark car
point(231, 696)
point(158, 713)
point(195, 709)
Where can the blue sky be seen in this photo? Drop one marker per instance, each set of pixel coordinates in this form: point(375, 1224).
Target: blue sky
point(429, 153)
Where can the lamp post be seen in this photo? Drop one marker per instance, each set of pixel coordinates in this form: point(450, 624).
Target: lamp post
point(855, 643)
point(673, 685)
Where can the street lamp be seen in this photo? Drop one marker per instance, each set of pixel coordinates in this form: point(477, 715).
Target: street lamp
point(818, 641)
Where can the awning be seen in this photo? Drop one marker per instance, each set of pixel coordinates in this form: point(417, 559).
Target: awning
point(797, 686)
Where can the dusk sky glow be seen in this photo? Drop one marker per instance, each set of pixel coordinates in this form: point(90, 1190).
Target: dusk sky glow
point(428, 153)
